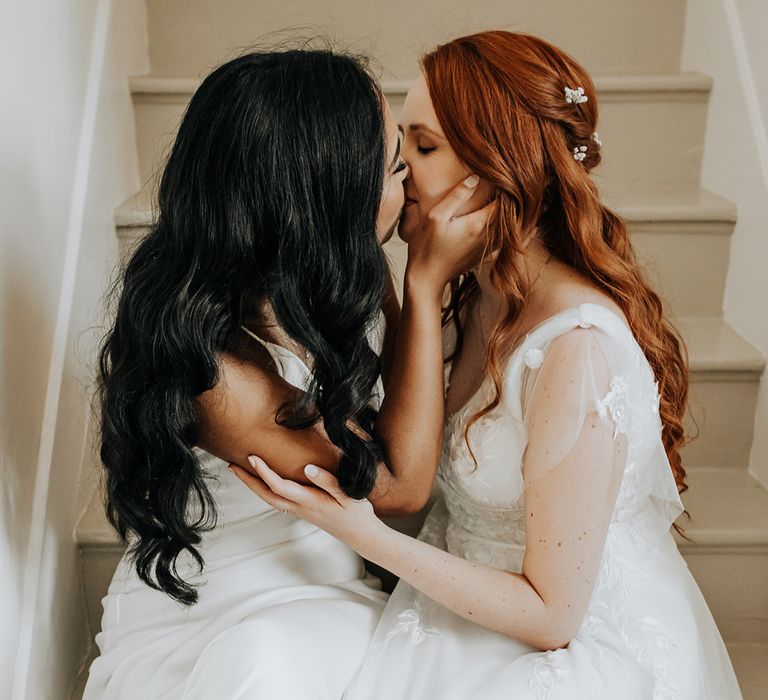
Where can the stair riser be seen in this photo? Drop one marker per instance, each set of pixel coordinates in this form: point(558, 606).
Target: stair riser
point(723, 406)
point(735, 586)
point(686, 263)
point(650, 139)
point(188, 36)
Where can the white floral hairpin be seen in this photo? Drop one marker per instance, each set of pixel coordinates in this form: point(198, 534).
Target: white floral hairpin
point(576, 96)
point(596, 139)
point(580, 152)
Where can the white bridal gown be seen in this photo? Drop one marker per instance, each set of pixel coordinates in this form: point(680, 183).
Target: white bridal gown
point(285, 610)
point(647, 633)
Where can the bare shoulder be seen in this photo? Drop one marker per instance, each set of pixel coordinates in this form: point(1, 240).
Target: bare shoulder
point(238, 417)
point(568, 289)
point(244, 387)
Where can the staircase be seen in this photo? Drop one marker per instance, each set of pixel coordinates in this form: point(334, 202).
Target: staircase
point(652, 126)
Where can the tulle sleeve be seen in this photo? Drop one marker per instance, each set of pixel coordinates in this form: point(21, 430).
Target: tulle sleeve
point(574, 406)
point(574, 396)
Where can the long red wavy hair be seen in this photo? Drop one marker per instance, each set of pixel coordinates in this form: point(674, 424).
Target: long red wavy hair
point(500, 99)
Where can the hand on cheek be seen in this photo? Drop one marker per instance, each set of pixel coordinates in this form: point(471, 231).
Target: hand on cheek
point(478, 200)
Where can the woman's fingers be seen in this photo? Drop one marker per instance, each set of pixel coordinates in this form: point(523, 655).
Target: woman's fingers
point(261, 489)
point(290, 492)
point(447, 207)
point(282, 487)
point(476, 221)
point(326, 481)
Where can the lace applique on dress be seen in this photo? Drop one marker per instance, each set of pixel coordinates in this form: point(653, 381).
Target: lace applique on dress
point(547, 673)
point(534, 358)
point(653, 646)
point(615, 401)
point(646, 637)
point(409, 624)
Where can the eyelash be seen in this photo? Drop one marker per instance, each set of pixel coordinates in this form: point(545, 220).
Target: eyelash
point(426, 151)
point(402, 165)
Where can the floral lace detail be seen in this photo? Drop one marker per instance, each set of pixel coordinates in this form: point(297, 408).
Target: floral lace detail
point(484, 534)
point(663, 689)
point(653, 646)
point(409, 624)
point(615, 401)
point(547, 673)
point(534, 358)
point(482, 434)
point(646, 637)
point(497, 555)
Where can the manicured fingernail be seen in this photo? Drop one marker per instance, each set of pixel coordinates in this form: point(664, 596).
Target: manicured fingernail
point(252, 461)
point(311, 470)
point(471, 181)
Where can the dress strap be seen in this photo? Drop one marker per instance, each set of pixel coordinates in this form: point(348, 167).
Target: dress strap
point(254, 336)
point(289, 365)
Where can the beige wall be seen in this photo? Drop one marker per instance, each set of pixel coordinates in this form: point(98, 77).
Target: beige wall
point(726, 40)
point(66, 129)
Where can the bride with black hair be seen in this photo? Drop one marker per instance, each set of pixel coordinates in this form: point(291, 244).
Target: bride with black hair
point(249, 319)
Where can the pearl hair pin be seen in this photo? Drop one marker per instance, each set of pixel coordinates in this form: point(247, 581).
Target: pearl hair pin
point(576, 96)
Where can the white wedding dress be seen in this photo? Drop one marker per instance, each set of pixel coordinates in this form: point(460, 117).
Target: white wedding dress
point(285, 610)
point(647, 633)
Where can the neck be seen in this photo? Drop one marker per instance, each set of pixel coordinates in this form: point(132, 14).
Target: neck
point(532, 262)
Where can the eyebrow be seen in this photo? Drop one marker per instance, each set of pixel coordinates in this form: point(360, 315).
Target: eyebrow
point(424, 127)
point(397, 150)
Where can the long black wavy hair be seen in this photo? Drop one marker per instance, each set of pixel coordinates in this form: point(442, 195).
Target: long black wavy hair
point(270, 193)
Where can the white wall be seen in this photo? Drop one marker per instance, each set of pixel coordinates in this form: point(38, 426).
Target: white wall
point(65, 130)
point(726, 40)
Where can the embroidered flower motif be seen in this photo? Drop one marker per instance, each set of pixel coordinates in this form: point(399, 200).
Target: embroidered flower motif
point(580, 153)
point(409, 623)
point(615, 401)
point(547, 673)
point(663, 689)
point(534, 358)
point(649, 636)
point(576, 96)
point(652, 646)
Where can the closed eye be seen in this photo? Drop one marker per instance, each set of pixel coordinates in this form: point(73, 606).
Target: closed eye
point(402, 165)
point(426, 151)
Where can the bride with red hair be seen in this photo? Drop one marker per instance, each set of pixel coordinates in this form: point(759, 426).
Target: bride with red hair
point(546, 568)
